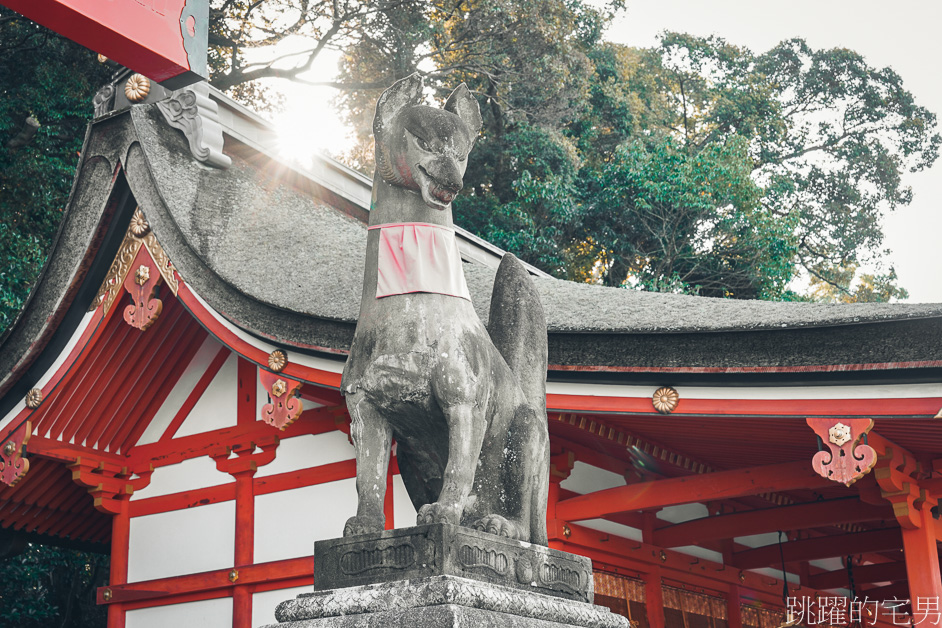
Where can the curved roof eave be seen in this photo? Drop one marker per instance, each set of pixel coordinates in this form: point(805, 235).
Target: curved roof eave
point(275, 259)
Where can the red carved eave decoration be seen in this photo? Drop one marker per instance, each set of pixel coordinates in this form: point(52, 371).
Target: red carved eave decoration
point(141, 282)
point(284, 407)
point(13, 466)
point(846, 461)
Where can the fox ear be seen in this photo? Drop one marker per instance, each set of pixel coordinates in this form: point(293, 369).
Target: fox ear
point(462, 104)
point(404, 92)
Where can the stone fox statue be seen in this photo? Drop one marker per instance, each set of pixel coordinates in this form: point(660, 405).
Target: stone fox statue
point(466, 404)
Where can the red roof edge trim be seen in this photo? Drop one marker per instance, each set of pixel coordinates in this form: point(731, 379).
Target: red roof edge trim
point(818, 368)
point(254, 350)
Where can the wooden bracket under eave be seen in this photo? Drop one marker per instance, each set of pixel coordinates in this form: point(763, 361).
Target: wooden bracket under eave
point(13, 463)
point(846, 460)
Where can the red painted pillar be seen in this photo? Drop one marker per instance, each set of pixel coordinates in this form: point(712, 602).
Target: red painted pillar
point(388, 510)
point(922, 569)
point(654, 599)
point(733, 608)
point(244, 546)
point(120, 547)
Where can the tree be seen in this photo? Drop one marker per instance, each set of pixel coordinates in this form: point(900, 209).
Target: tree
point(51, 80)
point(828, 140)
point(49, 586)
point(812, 146)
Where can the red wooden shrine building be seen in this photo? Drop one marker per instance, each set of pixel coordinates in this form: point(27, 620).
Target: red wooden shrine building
point(201, 293)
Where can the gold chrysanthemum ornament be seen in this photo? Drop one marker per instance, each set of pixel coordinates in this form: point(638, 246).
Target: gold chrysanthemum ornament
point(665, 399)
point(137, 88)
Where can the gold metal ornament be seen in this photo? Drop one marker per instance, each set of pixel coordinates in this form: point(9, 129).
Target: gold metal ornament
point(9, 448)
point(33, 398)
point(139, 226)
point(106, 595)
point(279, 388)
point(102, 58)
point(142, 275)
point(839, 434)
point(137, 88)
point(233, 575)
point(121, 266)
point(665, 399)
point(277, 360)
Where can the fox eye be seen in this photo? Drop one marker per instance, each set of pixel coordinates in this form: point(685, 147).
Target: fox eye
point(422, 144)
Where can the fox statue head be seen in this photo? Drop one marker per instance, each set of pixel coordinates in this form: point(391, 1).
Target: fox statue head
point(422, 148)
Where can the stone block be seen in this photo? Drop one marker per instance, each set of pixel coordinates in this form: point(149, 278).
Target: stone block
point(440, 602)
point(447, 550)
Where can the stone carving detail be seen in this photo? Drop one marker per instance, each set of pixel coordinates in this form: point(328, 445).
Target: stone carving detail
point(13, 466)
point(448, 550)
point(404, 595)
point(846, 461)
point(551, 575)
point(103, 100)
point(394, 557)
point(483, 388)
point(192, 111)
point(138, 235)
point(472, 557)
point(284, 407)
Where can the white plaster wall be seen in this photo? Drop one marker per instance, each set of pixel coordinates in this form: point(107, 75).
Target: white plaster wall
point(181, 390)
point(184, 476)
point(403, 511)
point(758, 540)
point(182, 542)
point(683, 512)
point(308, 450)
point(263, 604)
point(587, 478)
point(288, 522)
point(204, 614)
point(610, 527)
point(216, 408)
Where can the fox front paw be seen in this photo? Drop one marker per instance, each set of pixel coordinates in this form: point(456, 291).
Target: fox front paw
point(364, 524)
point(438, 513)
point(495, 524)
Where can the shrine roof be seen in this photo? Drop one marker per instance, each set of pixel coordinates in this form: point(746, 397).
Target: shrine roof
point(278, 250)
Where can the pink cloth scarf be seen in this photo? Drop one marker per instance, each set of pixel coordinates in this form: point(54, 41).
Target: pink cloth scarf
point(419, 257)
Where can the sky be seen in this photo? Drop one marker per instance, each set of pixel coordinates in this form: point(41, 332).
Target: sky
point(903, 35)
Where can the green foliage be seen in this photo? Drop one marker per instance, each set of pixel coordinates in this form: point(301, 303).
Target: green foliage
point(53, 80)
point(693, 166)
point(48, 586)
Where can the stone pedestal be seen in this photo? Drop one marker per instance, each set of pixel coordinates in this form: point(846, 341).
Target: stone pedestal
point(442, 575)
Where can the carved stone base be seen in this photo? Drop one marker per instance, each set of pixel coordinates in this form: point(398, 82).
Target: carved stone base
point(448, 550)
point(440, 602)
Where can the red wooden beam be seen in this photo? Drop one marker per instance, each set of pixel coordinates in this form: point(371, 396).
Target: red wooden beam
point(214, 580)
point(923, 407)
point(689, 489)
point(165, 40)
point(820, 547)
point(863, 574)
point(792, 517)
